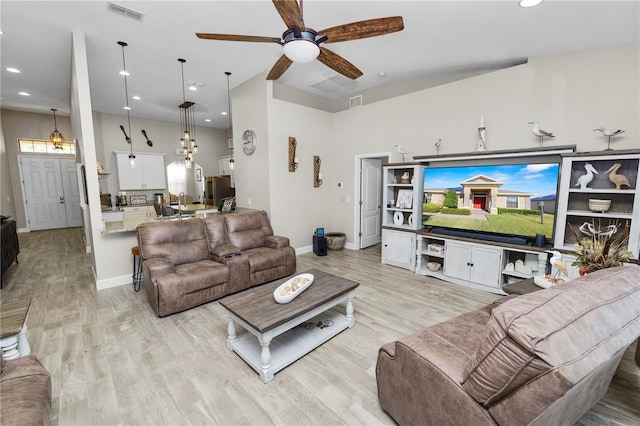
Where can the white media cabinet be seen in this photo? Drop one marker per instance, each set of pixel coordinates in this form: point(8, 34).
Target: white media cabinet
point(481, 264)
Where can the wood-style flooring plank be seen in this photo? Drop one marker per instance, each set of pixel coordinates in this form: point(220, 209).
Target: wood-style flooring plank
point(112, 361)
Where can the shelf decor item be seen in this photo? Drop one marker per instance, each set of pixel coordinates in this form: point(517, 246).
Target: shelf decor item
point(586, 179)
point(433, 266)
point(292, 288)
point(600, 206)
point(615, 178)
point(602, 247)
point(405, 199)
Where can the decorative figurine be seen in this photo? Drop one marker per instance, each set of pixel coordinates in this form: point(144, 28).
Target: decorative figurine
point(403, 153)
point(540, 133)
point(616, 179)
point(608, 133)
point(482, 142)
point(585, 179)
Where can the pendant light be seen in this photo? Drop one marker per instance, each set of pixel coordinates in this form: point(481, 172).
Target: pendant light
point(232, 162)
point(124, 73)
point(187, 125)
point(56, 137)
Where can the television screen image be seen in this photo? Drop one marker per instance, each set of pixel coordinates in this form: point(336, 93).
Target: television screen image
point(492, 201)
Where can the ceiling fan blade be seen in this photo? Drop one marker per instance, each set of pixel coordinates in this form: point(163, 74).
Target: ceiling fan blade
point(279, 68)
point(339, 64)
point(290, 13)
point(363, 29)
point(236, 37)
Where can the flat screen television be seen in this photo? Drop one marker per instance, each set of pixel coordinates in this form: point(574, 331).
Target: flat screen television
point(509, 203)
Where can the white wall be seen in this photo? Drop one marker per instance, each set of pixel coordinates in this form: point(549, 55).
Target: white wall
point(212, 143)
point(569, 94)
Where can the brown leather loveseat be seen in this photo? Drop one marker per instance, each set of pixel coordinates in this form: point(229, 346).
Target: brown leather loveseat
point(542, 358)
point(190, 262)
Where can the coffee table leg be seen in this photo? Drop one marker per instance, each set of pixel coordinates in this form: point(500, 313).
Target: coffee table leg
point(23, 345)
point(231, 332)
point(265, 358)
point(350, 318)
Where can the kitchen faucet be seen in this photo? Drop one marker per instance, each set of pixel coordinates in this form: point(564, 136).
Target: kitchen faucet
point(180, 195)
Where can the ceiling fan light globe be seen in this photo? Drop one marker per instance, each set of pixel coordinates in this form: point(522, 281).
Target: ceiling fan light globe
point(529, 3)
point(301, 51)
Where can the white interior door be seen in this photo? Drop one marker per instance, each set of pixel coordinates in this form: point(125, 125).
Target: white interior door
point(371, 202)
point(71, 191)
point(43, 192)
point(51, 192)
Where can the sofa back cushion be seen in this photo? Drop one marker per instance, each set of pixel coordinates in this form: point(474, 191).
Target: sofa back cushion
point(571, 328)
point(248, 230)
point(182, 241)
point(216, 231)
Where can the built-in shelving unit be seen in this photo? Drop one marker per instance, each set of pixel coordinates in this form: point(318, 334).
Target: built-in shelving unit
point(573, 203)
point(403, 196)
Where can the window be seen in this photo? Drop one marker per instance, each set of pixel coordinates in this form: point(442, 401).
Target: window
point(427, 198)
point(512, 202)
point(45, 147)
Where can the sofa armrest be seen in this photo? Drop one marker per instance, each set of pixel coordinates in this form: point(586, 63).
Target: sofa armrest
point(159, 266)
point(276, 242)
point(220, 253)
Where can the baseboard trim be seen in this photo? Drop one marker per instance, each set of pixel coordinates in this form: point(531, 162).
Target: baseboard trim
point(303, 250)
point(113, 282)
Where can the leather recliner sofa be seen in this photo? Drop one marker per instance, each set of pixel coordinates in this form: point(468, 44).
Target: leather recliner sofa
point(542, 358)
point(190, 262)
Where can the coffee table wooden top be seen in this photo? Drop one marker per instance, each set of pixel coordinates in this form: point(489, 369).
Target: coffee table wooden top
point(258, 309)
point(12, 317)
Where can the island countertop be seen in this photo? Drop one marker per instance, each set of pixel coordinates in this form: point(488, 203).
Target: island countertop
point(130, 225)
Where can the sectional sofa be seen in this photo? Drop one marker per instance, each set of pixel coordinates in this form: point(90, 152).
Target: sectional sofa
point(542, 358)
point(190, 262)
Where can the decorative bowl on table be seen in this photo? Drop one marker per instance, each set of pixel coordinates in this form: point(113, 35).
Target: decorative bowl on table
point(546, 281)
point(292, 288)
point(601, 206)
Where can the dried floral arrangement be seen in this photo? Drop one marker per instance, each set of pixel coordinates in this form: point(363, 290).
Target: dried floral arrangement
point(601, 247)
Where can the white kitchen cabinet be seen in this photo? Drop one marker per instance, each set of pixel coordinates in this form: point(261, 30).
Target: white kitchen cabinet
point(137, 212)
point(474, 263)
point(149, 172)
point(399, 249)
point(224, 168)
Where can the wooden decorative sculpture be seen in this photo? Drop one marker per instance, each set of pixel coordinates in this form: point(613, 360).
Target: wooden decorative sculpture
point(616, 179)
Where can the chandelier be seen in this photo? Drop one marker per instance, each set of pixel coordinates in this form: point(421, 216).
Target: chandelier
point(187, 125)
point(56, 137)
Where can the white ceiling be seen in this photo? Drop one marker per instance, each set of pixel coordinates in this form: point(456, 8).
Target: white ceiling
point(439, 37)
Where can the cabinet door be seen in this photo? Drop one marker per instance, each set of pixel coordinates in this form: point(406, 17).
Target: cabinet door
point(486, 266)
point(153, 171)
point(399, 249)
point(457, 261)
point(128, 177)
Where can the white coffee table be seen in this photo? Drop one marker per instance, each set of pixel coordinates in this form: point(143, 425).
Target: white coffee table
point(279, 334)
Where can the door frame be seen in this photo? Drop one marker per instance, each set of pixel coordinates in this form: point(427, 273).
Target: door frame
point(357, 190)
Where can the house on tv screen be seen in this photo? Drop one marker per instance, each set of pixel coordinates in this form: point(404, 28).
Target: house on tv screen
point(484, 193)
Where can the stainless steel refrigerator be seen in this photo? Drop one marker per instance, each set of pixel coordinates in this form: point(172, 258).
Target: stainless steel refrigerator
point(216, 188)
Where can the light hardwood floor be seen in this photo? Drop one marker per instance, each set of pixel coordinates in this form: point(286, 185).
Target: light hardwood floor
point(113, 361)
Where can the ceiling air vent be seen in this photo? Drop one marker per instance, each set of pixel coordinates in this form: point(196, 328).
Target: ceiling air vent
point(330, 84)
point(355, 101)
point(125, 11)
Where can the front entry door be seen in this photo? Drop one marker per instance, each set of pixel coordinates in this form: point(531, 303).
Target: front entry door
point(480, 202)
point(46, 196)
point(371, 193)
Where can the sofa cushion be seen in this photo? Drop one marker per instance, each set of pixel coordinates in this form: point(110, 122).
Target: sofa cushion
point(182, 241)
point(262, 258)
point(216, 231)
point(573, 328)
point(25, 392)
point(248, 230)
point(192, 277)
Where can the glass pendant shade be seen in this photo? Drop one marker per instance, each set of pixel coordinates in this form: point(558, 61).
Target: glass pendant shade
point(301, 51)
point(187, 123)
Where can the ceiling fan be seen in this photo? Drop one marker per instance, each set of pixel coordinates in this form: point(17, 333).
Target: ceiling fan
point(302, 44)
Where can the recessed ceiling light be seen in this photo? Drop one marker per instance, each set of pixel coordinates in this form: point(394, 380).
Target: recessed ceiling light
point(224, 113)
point(24, 94)
point(136, 98)
point(529, 3)
point(13, 70)
point(382, 74)
point(208, 120)
point(127, 108)
point(125, 73)
point(1, 32)
point(193, 88)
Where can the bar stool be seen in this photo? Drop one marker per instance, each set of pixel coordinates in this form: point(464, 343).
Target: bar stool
point(137, 268)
